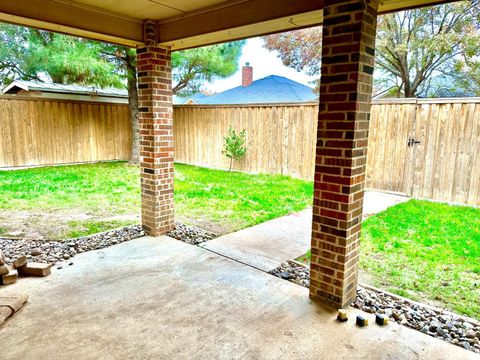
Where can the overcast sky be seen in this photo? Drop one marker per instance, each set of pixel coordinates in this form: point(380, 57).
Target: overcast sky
point(264, 63)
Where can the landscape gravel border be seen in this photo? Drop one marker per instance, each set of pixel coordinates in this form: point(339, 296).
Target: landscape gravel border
point(450, 327)
point(191, 234)
point(56, 251)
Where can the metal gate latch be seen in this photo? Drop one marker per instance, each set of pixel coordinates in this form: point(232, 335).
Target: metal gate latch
point(412, 141)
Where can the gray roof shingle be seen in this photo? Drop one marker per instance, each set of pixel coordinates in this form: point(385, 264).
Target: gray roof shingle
point(271, 89)
point(63, 89)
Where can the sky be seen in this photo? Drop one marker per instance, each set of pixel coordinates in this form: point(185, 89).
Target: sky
point(264, 63)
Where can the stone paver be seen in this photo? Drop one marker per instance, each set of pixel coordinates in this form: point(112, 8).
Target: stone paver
point(159, 298)
point(10, 304)
point(35, 269)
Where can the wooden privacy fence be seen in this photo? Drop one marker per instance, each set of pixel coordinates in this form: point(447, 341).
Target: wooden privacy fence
point(427, 148)
point(45, 132)
point(280, 138)
point(423, 148)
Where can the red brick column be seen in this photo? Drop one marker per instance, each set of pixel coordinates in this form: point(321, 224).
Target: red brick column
point(345, 94)
point(155, 115)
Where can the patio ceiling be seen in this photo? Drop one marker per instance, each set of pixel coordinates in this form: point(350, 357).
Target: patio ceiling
point(182, 23)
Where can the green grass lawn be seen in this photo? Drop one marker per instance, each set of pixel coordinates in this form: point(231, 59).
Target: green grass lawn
point(425, 251)
point(68, 201)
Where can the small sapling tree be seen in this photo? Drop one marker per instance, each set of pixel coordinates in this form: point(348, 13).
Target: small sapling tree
point(234, 147)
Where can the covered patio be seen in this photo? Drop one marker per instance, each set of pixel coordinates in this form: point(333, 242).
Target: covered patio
point(183, 300)
point(159, 298)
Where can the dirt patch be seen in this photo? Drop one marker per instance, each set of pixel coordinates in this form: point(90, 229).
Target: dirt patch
point(207, 225)
point(41, 225)
point(365, 278)
point(63, 224)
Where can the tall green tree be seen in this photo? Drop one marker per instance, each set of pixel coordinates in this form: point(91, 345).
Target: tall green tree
point(31, 54)
point(298, 49)
point(191, 70)
point(414, 48)
point(195, 67)
point(125, 59)
point(467, 77)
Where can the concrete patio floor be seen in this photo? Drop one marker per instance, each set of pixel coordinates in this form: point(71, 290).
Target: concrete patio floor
point(267, 245)
point(159, 298)
point(376, 201)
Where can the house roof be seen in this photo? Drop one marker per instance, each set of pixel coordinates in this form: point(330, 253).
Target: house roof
point(190, 99)
point(271, 89)
point(66, 92)
point(18, 85)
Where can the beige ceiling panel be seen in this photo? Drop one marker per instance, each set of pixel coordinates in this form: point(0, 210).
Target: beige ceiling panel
point(152, 9)
point(395, 5)
point(65, 18)
point(140, 9)
point(199, 5)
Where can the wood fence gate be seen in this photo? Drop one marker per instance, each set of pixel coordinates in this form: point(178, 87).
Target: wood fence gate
point(426, 149)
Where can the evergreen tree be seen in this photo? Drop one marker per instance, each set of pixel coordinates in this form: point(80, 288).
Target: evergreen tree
point(31, 54)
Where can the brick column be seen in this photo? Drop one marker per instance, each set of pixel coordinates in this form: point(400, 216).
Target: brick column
point(345, 93)
point(155, 116)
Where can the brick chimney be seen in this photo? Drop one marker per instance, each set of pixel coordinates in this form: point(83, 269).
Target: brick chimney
point(247, 74)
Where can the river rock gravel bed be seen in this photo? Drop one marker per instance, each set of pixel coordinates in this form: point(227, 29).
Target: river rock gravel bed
point(294, 272)
point(190, 234)
point(53, 252)
point(440, 324)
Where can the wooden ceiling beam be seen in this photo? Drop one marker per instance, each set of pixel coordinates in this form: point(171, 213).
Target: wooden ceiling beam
point(65, 17)
point(239, 14)
point(249, 18)
point(389, 6)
